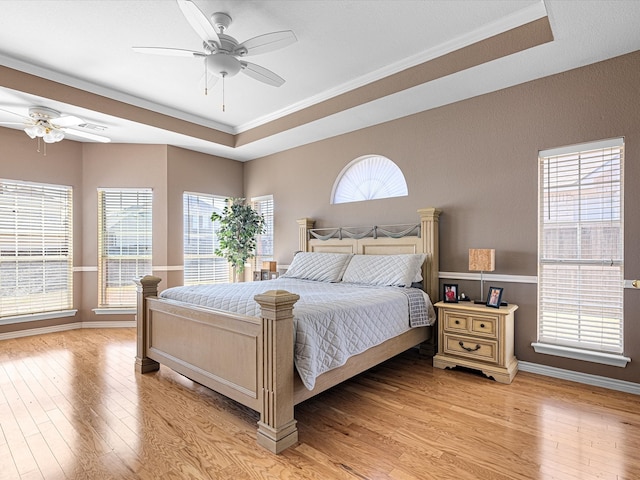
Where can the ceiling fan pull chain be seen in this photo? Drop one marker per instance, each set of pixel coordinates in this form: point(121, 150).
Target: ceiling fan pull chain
point(206, 79)
point(223, 75)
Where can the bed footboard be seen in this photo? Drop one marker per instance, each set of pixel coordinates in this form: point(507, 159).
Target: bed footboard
point(247, 359)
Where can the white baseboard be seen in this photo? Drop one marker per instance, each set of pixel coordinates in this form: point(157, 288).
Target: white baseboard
point(586, 378)
point(65, 327)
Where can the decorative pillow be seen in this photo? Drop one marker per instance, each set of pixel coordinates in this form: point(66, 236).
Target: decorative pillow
point(322, 267)
point(397, 270)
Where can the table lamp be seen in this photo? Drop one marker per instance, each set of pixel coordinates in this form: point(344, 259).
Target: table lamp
point(482, 260)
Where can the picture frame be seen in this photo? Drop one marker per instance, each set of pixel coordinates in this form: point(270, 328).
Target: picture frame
point(450, 293)
point(257, 276)
point(266, 274)
point(494, 297)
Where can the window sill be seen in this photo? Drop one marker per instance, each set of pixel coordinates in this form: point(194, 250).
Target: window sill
point(37, 316)
point(115, 311)
point(584, 355)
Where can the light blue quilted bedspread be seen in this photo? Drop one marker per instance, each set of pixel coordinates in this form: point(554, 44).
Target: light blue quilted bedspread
point(332, 321)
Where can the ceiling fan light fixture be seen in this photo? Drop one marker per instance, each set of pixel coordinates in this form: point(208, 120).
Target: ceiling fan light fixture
point(32, 131)
point(44, 130)
point(53, 136)
point(221, 63)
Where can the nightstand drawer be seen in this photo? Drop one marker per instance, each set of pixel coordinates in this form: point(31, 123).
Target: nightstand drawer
point(479, 349)
point(486, 326)
point(454, 322)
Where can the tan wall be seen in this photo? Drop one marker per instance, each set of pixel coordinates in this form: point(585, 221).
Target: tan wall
point(477, 160)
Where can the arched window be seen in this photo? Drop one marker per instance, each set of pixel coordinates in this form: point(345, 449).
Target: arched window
point(367, 178)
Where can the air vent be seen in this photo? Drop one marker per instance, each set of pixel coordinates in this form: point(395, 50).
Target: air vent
point(93, 126)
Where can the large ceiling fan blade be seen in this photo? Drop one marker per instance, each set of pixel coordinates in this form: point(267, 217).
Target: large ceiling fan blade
point(198, 22)
point(66, 121)
point(267, 42)
point(14, 123)
point(262, 74)
point(86, 135)
point(175, 52)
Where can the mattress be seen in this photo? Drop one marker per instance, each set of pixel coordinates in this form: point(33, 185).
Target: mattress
point(332, 321)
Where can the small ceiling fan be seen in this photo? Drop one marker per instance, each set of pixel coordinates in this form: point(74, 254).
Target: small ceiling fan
point(51, 126)
point(222, 53)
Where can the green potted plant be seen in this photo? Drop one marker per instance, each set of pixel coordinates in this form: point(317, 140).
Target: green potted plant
point(238, 226)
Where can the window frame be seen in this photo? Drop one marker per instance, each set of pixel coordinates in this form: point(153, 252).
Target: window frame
point(265, 206)
point(201, 276)
point(369, 177)
point(36, 226)
point(122, 298)
point(580, 299)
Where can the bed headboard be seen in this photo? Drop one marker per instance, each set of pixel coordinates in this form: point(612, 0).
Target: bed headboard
point(421, 237)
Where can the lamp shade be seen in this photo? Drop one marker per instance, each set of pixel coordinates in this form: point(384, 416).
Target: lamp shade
point(482, 259)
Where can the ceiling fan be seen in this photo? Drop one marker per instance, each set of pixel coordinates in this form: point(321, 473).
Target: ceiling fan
point(222, 53)
point(50, 126)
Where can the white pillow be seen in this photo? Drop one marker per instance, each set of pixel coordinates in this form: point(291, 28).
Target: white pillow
point(321, 267)
point(398, 270)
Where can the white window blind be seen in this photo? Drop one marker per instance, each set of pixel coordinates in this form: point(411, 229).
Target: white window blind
point(367, 178)
point(264, 242)
point(201, 264)
point(36, 238)
point(581, 277)
point(124, 243)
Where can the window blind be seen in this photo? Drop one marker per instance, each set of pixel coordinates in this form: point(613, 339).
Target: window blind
point(264, 242)
point(201, 264)
point(124, 243)
point(581, 277)
point(36, 239)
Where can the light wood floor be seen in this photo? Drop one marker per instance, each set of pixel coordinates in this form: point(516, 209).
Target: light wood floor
point(71, 406)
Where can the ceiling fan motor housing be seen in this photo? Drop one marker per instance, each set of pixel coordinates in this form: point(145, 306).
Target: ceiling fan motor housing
point(222, 62)
point(43, 113)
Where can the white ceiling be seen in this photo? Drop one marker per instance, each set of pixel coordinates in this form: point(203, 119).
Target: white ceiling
point(342, 44)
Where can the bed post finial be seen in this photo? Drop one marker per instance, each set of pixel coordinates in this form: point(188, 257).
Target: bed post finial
point(429, 221)
point(146, 286)
point(277, 428)
point(304, 225)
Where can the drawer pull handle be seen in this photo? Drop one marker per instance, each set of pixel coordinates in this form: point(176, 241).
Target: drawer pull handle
point(457, 322)
point(482, 325)
point(461, 343)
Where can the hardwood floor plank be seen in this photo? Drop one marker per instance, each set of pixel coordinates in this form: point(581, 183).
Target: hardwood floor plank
point(72, 406)
point(8, 468)
point(44, 457)
point(16, 442)
point(64, 455)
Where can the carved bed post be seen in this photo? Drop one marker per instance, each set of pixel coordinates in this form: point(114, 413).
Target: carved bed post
point(429, 220)
point(304, 225)
point(277, 428)
point(147, 287)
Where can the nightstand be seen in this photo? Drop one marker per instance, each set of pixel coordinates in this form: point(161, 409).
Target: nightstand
point(477, 337)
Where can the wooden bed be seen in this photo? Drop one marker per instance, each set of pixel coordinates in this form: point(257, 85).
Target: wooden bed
point(252, 361)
